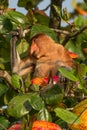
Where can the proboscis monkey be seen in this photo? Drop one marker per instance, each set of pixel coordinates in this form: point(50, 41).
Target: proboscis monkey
point(49, 56)
point(45, 56)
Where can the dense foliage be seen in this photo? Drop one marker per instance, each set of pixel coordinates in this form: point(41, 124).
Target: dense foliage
point(18, 102)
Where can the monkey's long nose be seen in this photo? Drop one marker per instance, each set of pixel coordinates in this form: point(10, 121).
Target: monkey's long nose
point(34, 50)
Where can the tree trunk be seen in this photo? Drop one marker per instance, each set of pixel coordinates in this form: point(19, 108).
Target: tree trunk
point(55, 21)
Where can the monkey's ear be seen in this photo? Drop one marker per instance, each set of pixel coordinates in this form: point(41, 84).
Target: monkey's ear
point(34, 49)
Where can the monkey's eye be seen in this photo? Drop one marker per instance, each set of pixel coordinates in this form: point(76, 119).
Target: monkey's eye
point(34, 53)
point(35, 56)
point(38, 56)
point(42, 56)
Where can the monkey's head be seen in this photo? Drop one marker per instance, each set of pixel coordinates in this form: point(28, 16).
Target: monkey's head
point(40, 45)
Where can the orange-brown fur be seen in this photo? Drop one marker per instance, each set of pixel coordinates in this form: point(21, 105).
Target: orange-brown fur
point(45, 56)
point(49, 56)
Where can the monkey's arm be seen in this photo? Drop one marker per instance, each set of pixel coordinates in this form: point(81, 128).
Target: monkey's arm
point(18, 66)
point(15, 58)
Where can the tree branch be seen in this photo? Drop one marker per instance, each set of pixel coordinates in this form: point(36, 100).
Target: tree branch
point(73, 35)
point(5, 75)
point(2, 126)
point(60, 31)
point(46, 7)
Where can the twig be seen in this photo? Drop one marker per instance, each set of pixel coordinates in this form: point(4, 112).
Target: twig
point(5, 74)
point(70, 109)
point(77, 97)
point(46, 7)
point(2, 126)
point(61, 31)
point(73, 34)
point(79, 31)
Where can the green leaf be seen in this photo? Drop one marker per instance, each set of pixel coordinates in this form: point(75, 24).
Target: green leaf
point(82, 70)
point(28, 3)
point(36, 102)
point(18, 18)
point(41, 19)
point(44, 115)
point(58, 11)
point(17, 106)
point(2, 66)
point(68, 74)
point(22, 48)
point(37, 29)
point(79, 21)
point(3, 89)
point(83, 39)
point(4, 3)
point(23, 104)
point(4, 123)
point(9, 95)
point(15, 79)
point(67, 116)
point(4, 48)
point(53, 95)
point(5, 24)
point(84, 45)
point(5, 55)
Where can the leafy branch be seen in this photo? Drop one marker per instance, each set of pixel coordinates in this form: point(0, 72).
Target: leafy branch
point(71, 35)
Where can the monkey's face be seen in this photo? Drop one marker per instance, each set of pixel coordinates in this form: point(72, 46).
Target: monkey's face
point(41, 45)
point(34, 49)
